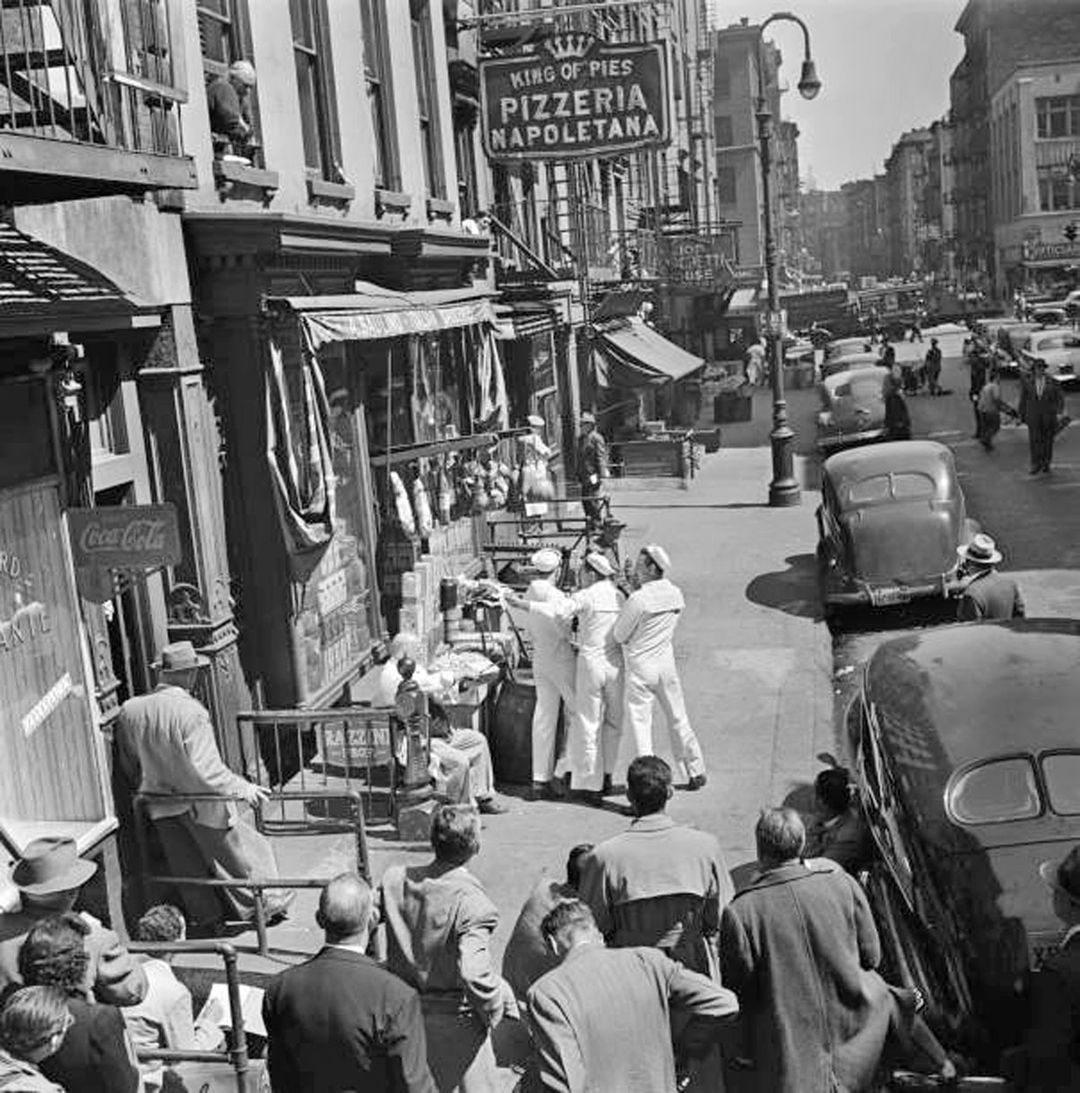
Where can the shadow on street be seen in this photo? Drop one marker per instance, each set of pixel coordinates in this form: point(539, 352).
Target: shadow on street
point(793, 590)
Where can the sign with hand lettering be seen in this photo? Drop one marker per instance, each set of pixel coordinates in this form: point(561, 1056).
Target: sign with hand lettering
point(575, 95)
point(125, 537)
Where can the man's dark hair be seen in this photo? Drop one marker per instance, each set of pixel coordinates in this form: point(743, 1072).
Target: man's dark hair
point(30, 1017)
point(344, 907)
point(648, 784)
point(780, 835)
point(573, 864)
point(834, 790)
point(163, 922)
point(566, 918)
point(54, 954)
point(455, 833)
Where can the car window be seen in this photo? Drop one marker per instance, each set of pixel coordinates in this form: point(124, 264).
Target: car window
point(996, 792)
point(865, 386)
point(905, 486)
point(1054, 342)
point(1061, 772)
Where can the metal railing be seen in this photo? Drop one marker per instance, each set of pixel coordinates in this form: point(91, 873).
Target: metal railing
point(91, 71)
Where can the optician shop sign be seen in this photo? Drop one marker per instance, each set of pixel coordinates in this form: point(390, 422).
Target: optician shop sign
point(574, 96)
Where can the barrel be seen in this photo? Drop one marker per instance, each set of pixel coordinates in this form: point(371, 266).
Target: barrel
point(511, 730)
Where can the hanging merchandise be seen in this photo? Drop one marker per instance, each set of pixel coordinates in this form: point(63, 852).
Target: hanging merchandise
point(477, 480)
point(425, 525)
point(420, 349)
point(446, 491)
point(402, 508)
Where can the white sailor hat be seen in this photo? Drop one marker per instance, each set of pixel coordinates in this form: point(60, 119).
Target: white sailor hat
point(658, 554)
point(599, 563)
point(545, 560)
point(536, 421)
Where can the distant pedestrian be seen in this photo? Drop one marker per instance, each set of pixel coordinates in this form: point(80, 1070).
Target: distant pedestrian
point(987, 594)
point(979, 361)
point(932, 366)
point(602, 1019)
point(897, 418)
point(755, 364)
point(528, 955)
point(658, 883)
point(1041, 408)
point(592, 466)
point(917, 324)
point(339, 1021)
point(990, 406)
point(645, 629)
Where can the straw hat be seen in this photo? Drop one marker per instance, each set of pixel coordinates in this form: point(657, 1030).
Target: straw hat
point(658, 554)
point(599, 564)
point(980, 551)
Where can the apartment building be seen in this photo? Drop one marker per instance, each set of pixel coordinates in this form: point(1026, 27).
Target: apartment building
point(905, 185)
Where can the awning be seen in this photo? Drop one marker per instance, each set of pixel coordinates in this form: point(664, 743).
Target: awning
point(638, 349)
point(525, 320)
point(744, 299)
point(43, 290)
point(376, 312)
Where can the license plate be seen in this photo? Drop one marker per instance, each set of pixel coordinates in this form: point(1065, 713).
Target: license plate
point(886, 597)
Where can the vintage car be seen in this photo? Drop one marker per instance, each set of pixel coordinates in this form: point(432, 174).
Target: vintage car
point(852, 409)
point(1060, 348)
point(966, 752)
point(847, 362)
point(840, 347)
point(890, 520)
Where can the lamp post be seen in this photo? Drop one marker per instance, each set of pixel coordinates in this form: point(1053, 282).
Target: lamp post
point(783, 489)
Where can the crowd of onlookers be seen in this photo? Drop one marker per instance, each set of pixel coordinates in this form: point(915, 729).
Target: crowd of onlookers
point(643, 970)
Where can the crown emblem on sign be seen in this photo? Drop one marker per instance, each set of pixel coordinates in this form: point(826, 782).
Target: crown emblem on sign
point(568, 47)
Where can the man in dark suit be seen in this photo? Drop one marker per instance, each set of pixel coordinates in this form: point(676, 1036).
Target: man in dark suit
point(1050, 1060)
point(988, 594)
point(339, 1023)
point(1041, 405)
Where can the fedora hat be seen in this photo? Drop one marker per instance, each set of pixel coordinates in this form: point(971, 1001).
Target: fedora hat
point(180, 656)
point(1064, 876)
point(980, 551)
point(51, 865)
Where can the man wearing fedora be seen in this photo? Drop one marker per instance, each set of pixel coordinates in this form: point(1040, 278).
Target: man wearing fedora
point(48, 877)
point(645, 629)
point(1049, 1060)
point(166, 746)
point(987, 594)
point(1041, 406)
point(592, 466)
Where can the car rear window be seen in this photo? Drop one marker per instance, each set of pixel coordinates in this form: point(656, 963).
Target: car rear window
point(1061, 771)
point(996, 792)
point(908, 486)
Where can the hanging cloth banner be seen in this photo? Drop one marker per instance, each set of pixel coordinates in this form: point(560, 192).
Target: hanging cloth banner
point(298, 452)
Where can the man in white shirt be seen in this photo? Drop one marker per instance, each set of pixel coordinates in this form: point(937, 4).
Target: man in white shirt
point(645, 629)
point(553, 668)
point(597, 676)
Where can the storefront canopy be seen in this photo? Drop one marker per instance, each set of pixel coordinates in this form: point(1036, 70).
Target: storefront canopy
point(376, 312)
point(636, 348)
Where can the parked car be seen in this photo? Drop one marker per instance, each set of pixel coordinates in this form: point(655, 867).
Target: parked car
point(848, 362)
point(1012, 338)
point(890, 520)
point(1055, 314)
point(840, 347)
point(966, 753)
point(1060, 348)
point(852, 409)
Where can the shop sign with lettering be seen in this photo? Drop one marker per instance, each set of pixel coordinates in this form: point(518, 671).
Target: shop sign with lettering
point(1031, 251)
point(574, 96)
point(125, 537)
point(704, 261)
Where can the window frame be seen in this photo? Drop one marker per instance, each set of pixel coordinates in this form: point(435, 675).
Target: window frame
point(1062, 108)
point(727, 173)
point(237, 24)
point(427, 98)
point(319, 54)
point(379, 76)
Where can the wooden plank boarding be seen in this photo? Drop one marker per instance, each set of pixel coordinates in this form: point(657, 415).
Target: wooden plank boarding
point(50, 767)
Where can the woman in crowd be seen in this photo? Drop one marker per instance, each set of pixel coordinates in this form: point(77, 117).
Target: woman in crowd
point(96, 1055)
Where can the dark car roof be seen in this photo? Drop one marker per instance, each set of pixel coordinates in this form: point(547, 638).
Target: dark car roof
point(857, 464)
point(971, 691)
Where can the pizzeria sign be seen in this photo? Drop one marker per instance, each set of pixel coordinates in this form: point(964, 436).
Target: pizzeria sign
point(574, 96)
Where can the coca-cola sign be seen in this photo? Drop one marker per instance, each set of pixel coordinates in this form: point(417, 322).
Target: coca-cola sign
point(124, 536)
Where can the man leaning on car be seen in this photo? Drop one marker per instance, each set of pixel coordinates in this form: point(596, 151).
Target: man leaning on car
point(987, 593)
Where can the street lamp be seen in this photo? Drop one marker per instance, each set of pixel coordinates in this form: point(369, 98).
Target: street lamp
point(783, 489)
